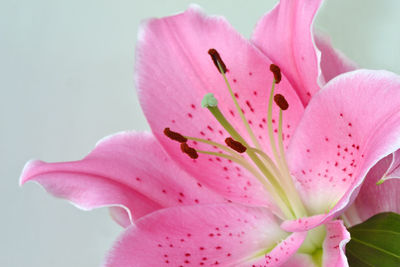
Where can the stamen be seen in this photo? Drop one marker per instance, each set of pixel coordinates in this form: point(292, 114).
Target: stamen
point(217, 60)
point(175, 136)
point(280, 160)
point(191, 152)
point(235, 145)
point(222, 69)
point(281, 101)
point(277, 72)
point(269, 122)
point(274, 176)
point(294, 198)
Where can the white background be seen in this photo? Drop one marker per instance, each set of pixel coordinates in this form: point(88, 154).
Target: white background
point(66, 80)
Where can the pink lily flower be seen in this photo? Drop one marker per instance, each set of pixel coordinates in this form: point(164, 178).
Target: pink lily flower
point(252, 183)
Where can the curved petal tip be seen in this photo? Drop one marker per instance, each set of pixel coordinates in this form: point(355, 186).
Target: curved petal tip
point(25, 177)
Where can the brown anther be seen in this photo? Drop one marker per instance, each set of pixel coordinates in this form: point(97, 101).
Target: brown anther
point(175, 136)
point(281, 101)
point(235, 145)
point(191, 152)
point(277, 72)
point(217, 60)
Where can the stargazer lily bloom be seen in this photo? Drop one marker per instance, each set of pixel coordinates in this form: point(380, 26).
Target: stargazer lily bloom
point(261, 151)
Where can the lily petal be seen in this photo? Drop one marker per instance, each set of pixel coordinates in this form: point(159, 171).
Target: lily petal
point(375, 198)
point(282, 252)
point(334, 245)
point(351, 216)
point(333, 62)
point(285, 36)
point(222, 235)
point(300, 260)
point(174, 72)
point(128, 170)
point(347, 128)
point(394, 169)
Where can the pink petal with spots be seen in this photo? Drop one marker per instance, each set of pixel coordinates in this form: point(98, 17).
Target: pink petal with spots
point(283, 251)
point(204, 235)
point(300, 260)
point(303, 224)
point(285, 36)
point(333, 62)
point(347, 128)
point(351, 216)
point(373, 198)
point(174, 72)
point(128, 170)
point(334, 245)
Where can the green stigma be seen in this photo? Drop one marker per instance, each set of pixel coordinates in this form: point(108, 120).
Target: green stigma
point(209, 101)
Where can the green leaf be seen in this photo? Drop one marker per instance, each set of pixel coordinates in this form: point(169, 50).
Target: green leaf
point(375, 242)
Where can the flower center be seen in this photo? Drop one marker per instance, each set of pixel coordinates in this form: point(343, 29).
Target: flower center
point(272, 172)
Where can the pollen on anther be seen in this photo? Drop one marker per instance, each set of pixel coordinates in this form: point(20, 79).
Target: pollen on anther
point(175, 136)
point(277, 72)
point(217, 60)
point(191, 152)
point(235, 145)
point(281, 101)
